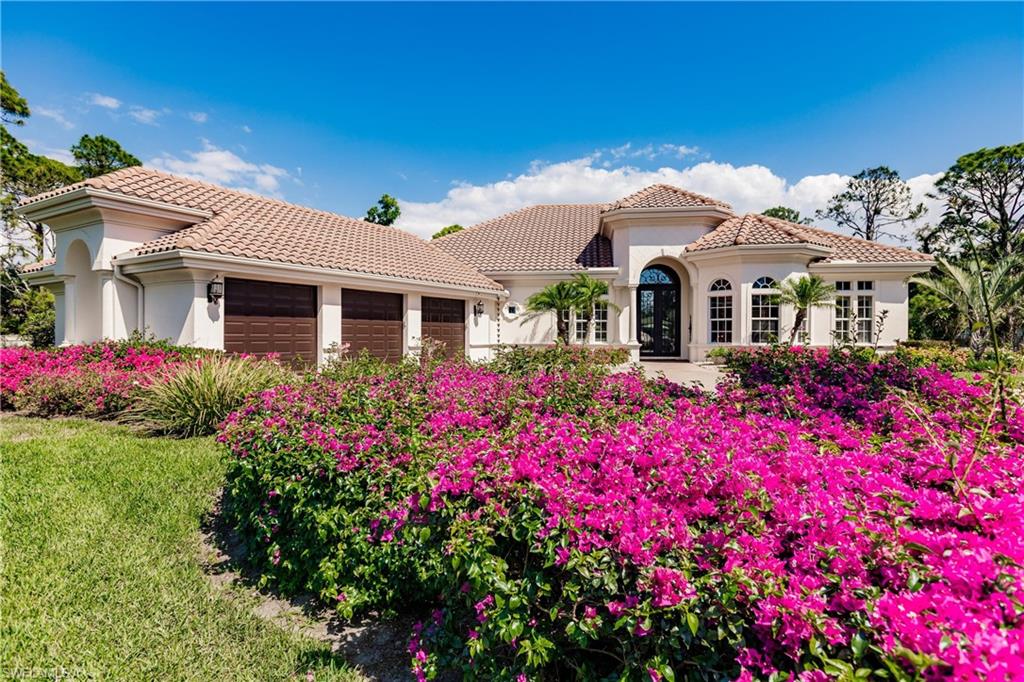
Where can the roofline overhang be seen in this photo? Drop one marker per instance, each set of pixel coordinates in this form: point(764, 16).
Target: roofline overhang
point(811, 250)
point(618, 215)
point(41, 276)
point(903, 267)
point(557, 273)
point(91, 197)
point(199, 260)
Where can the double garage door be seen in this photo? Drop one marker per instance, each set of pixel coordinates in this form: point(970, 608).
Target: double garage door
point(269, 317)
point(372, 321)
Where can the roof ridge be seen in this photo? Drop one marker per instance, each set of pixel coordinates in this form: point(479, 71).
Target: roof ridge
point(508, 214)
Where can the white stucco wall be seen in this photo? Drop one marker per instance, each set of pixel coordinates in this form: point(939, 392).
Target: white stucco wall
point(176, 308)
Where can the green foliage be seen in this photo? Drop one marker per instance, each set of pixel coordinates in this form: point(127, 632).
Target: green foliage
point(386, 212)
point(354, 366)
point(445, 231)
point(101, 573)
point(192, 399)
point(99, 155)
point(13, 107)
point(518, 361)
point(972, 292)
point(804, 293)
point(31, 314)
point(875, 200)
point(26, 174)
point(558, 298)
point(983, 192)
point(946, 358)
point(785, 213)
point(931, 316)
point(581, 294)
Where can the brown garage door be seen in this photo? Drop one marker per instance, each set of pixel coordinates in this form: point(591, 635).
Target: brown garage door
point(268, 317)
point(444, 320)
point(372, 321)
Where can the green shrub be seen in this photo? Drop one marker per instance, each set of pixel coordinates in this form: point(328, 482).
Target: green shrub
point(344, 366)
point(193, 398)
point(520, 360)
point(941, 355)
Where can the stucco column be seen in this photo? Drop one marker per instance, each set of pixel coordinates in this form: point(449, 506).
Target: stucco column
point(329, 320)
point(70, 311)
point(414, 323)
point(632, 315)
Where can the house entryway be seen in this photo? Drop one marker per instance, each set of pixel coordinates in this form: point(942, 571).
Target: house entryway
point(658, 307)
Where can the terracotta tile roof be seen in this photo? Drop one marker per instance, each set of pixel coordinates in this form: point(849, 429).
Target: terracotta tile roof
point(755, 229)
point(666, 196)
point(38, 265)
point(546, 237)
point(252, 226)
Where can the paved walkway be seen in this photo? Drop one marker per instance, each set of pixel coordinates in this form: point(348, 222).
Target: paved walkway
point(707, 376)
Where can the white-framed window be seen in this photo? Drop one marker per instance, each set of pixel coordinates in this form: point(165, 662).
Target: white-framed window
point(601, 323)
point(843, 316)
point(512, 309)
point(720, 311)
point(566, 319)
point(764, 311)
point(581, 328)
point(865, 312)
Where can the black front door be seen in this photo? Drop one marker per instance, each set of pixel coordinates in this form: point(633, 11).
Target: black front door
point(658, 308)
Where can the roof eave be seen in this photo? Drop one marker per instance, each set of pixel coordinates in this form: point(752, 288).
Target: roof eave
point(618, 215)
point(91, 197)
point(809, 250)
point(888, 267)
point(201, 260)
point(608, 273)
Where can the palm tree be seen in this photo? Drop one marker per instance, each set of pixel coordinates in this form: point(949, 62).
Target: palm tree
point(803, 294)
point(559, 298)
point(981, 298)
point(590, 293)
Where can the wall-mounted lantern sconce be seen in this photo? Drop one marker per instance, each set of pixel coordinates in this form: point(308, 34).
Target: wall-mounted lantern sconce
point(214, 291)
point(478, 309)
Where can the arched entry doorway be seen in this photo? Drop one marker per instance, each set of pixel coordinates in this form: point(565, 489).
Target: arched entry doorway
point(658, 323)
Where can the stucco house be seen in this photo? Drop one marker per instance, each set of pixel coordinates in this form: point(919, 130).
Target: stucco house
point(207, 266)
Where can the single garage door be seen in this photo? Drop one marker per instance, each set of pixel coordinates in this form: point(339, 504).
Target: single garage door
point(444, 320)
point(372, 321)
point(268, 317)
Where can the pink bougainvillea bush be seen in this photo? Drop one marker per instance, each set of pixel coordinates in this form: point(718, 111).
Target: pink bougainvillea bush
point(94, 380)
point(811, 522)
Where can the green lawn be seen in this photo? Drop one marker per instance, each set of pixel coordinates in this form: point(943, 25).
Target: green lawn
point(100, 570)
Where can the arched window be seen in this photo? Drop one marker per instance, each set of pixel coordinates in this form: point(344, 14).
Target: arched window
point(720, 311)
point(764, 311)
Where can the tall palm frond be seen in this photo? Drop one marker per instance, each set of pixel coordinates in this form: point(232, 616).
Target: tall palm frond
point(803, 294)
point(962, 288)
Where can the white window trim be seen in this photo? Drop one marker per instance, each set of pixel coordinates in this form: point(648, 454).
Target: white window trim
point(774, 291)
point(729, 293)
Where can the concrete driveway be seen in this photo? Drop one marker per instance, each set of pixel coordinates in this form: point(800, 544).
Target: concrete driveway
point(686, 373)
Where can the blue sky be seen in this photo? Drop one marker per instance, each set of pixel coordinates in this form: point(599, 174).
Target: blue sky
point(467, 110)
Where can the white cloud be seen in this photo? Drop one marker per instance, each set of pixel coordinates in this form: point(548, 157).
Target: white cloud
point(55, 115)
point(144, 115)
point(750, 188)
point(246, 129)
point(62, 155)
point(224, 167)
point(198, 116)
point(105, 101)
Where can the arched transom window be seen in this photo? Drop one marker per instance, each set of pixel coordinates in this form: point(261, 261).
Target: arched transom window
point(720, 311)
point(764, 311)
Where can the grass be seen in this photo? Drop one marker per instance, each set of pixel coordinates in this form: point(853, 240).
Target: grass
point(100, 577)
